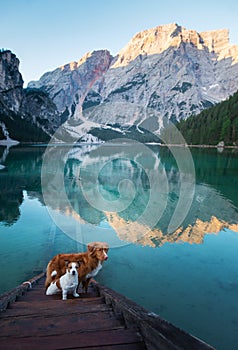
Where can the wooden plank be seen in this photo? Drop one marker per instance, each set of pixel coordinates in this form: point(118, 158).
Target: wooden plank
point(91, 289)
point(40, 284)
point(41, 289)
point(39, 294)
point(51, 300)
point(134, 346)
point(54, 309)
point(51, 325)
point(75, 340)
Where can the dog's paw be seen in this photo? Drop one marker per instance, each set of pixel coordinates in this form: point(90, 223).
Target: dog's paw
point(76, 295)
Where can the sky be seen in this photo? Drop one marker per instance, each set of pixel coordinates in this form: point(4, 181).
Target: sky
point(45, 34)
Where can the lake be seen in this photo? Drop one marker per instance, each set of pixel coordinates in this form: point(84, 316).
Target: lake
point(170, 216)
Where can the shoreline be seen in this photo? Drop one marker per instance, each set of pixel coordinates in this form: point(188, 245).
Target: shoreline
point(199, 146)
point(3, 144)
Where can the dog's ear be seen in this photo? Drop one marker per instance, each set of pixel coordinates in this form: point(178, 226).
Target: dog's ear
point(91, 247)
point(66, 263)
point(106, 247)
point(79, 262)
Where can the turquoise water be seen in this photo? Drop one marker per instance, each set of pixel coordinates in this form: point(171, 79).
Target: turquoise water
point(187, 275)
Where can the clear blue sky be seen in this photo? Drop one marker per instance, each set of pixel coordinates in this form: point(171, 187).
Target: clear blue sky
point(45, 34)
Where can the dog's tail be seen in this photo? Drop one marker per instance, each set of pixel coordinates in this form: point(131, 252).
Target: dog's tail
point(50, 278)
point(54, 274)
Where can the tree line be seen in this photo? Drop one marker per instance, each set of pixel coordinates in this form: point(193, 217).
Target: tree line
point(213, 125)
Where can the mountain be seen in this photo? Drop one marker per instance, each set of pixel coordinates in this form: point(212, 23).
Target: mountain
point(173, 70)
point(11, 83)
point(163, 74)
point(25, 114)
point(68, 85)
point(168, 71)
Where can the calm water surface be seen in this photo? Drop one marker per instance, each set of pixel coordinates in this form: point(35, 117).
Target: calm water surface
point(188, 275)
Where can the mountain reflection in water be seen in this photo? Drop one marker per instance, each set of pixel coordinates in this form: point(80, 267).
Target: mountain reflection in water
point(210, 212)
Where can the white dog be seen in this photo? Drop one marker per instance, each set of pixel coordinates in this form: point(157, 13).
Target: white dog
point(67, 283)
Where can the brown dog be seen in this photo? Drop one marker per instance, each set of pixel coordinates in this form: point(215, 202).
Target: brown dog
point(90, 263)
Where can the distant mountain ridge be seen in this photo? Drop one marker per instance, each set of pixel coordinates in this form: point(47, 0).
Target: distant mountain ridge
point(168, 69)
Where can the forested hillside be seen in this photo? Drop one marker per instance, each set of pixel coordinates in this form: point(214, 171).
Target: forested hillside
point(213, 125)
point(16, 128)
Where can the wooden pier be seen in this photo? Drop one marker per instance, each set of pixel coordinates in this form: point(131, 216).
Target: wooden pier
point(101, 319)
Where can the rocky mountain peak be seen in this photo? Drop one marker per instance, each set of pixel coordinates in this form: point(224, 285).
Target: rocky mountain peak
point(24, 115)
point(217, 41)
point(11, 82)
point(69, 84)
point(10, 76)
point(158, 39)
point(89, 56)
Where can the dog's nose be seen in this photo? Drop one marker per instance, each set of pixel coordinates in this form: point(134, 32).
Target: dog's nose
point(105, 257)
point(73, 272)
